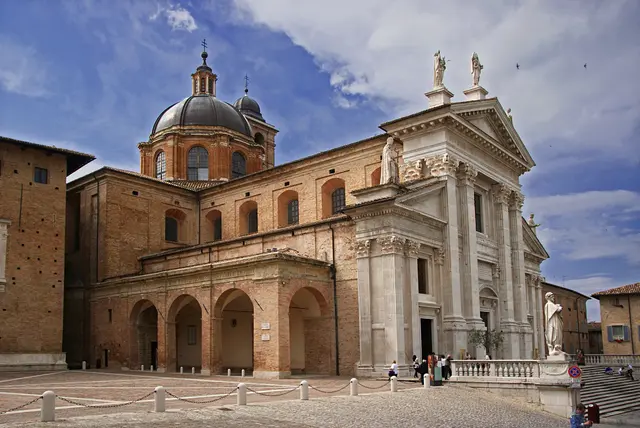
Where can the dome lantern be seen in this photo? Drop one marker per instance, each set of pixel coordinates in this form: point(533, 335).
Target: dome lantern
point(203, 81)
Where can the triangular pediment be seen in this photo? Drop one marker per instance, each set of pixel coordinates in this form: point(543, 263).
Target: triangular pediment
point(532, 244)
point(488, 118)
point(426, 200)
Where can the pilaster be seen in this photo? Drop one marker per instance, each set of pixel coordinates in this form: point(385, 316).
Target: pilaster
point(392, 248)
point(412, 248)
point(501, 194)
point(518, 276)
point(363, 250)
point(4, 246)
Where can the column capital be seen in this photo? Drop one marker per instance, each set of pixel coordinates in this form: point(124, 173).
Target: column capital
point(391, 244)
point(412, 248)
point(412, 170)
point(439, 256)
point(443, 164)
point(516, 201)
point(501, 193)
point(466, 174)
point(363, 248)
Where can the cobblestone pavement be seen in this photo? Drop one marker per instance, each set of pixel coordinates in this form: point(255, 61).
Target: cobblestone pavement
point(412, 406)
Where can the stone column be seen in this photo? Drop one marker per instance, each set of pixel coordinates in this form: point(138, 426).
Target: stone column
point(531, 290)
point(412, 249)
point(508, 324)
point(4, 235)
point(393, 277)
point(518, 275)
point(454, 324)
point(164, 348)
point(363, 249)
point(542, 343)
point(469, 266)
point(205, 335)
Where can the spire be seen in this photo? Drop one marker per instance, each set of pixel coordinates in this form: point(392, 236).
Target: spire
point(203, 81)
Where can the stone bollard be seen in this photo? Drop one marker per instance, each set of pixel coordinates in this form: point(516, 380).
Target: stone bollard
point(181, 370)
point(228, 372)
point(242, 394)
point(427, 380)
point(142, 368)
point(394, 384)
point(304, 390)
point(353, 389)
point(242, 372)
point(84, 365)
point(48, 409)
point(151, 369)
point(193, 370)
point(158, 404)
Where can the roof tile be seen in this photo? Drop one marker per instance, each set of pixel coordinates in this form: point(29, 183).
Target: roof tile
point(625, 289)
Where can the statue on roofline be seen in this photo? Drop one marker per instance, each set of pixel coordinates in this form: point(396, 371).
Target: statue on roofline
point(389, 166)
point(439, 66)
point(476, 68)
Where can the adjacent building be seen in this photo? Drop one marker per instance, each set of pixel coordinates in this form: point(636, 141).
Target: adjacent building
point(32, 245)
point(574, 315)
point(595, 338)
point(620, 319)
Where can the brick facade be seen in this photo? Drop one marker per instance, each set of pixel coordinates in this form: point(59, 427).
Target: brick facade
point(620, 319)
point(33, 210)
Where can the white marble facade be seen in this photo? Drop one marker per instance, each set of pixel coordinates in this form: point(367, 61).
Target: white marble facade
point(459, 161)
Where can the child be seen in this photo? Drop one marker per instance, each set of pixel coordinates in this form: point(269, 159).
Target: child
point(577, 419)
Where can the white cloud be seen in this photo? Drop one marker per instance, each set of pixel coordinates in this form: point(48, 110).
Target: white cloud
point(589, 225)
point(22, 69)
point(381, 49)
point(178, 17)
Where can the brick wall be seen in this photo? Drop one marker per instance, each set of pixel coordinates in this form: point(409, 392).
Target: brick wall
point(31, 304)
point(615, 310)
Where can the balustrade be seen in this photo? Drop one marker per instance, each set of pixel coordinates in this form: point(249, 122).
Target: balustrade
point(496, 368)
point(611, 360)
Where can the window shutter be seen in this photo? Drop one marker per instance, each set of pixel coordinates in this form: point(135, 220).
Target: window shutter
point(625, 329)
point(610, 333)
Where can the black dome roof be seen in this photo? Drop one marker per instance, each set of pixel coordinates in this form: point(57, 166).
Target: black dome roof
point(205, 110)
point(249, 106)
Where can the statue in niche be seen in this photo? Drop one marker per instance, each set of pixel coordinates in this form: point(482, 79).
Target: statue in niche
point(554, 325)
point(476, 68)
point(439, 66)
point(389, 166)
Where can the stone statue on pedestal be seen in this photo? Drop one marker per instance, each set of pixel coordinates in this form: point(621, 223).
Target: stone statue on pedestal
point(554, 325)
point(439, 66)
point(388, 167)
point(476, 68)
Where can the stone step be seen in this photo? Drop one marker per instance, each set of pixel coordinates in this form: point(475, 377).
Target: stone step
point(614, 394)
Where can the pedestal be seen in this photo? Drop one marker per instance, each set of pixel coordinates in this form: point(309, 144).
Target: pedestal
point(439, 96)
point(476, 93)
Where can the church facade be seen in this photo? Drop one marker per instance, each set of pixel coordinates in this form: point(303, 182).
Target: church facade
point(213, 258)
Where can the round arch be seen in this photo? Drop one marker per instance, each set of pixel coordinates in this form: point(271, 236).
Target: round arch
point(234, 336)
point(143, 335)
point(375, 177)
point(184, 333)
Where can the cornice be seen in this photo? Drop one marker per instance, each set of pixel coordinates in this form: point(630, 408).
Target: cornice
point(371, 211)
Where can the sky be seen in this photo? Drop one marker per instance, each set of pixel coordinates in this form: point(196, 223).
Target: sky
point(94, 75)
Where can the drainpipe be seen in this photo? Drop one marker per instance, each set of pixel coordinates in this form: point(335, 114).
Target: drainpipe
point(335, 297)
point(633, 345)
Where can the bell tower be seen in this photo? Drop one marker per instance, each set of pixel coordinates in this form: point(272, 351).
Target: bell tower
point(203, 81)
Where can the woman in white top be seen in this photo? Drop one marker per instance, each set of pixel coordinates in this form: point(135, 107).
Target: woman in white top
point(393, 370)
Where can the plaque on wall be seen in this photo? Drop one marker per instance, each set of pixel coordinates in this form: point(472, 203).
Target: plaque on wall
point(266, 337)
point(266, 326)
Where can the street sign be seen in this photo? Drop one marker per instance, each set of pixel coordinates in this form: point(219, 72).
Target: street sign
point(574, 372)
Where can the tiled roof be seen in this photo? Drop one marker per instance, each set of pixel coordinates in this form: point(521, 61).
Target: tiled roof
point(75, 160)
point(625, 289)
point(137, 174)
point(595, 325)
point(195, 185)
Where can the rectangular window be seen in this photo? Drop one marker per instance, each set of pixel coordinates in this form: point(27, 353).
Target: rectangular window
point(292, 212)
point(170, 229)
point(423, 279)
point(618, 333)
point(191, 335)
point(110, 315)
point(217, 229)
point(477, 204)
point(41, 175)
point(337, 201)
point(253, 221)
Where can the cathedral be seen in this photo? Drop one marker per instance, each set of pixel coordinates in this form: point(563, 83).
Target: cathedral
point(213, 257)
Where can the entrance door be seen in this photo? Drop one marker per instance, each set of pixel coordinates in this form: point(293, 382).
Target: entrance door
point(485, 319)
point(426, 336)
point(106, 358)
point(154, 354)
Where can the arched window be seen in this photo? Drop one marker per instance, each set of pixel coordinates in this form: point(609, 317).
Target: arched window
point(238, 165)
point(252, 221)
point(288, 212)
point(170, 229)
point(215, 217)
point(211, 86)
point(375, 177)
point(337, 200)
point(203, 85)
point(259, 139)
point(198, 164)
point(161, 166)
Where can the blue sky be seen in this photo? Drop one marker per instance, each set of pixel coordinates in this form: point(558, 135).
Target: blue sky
point(94, 75)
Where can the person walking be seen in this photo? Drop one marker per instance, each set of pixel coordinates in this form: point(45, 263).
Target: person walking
point(416, 364)
point(393, 370)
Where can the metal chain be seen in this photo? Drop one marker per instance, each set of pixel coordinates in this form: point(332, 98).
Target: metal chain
point(106, 406)
point(272, 394)
point(331, 392)
point(373, 387)
point(187, 400)
point(22, 406)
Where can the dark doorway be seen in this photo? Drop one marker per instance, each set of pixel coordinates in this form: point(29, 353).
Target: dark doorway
point(106, 358)
point(154, 354)
point(425, 334)
point(485, 318)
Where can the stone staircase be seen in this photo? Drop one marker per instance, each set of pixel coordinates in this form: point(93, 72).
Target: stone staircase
point(614, 394)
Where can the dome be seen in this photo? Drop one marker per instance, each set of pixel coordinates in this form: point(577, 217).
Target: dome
point(249, 106)
point(205, 110)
